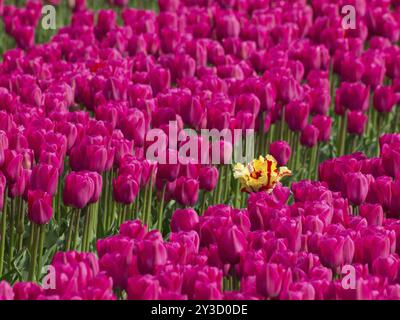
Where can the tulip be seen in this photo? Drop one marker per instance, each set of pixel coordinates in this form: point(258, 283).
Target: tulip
point(309, 136)
point(271, 279)
point(353, 96)
point(208, 178)
point(374, 72)
point(78, 190)
point(335, 252)
point(6, 291)
point(281, 151)
point(19, 187)
point(227, 26)
point(324, 126)
point(206, 291)
point(384, 99)
point(98, 185)
point(373, 213)
point(40, 210)
point(88, 157)
point(296, 115)
point(357, 186)
point(44, 177)
point(371, 246)
point(133, 229)
point(25, 36)
point(143, 288)
point(386, 267)
point(13, 165)
point(184, 220)
point(248, 102)
point(221, 152)
point(261, 174)
point(27, 291)
point(390, 155)
point(395, 203)
point(300, 291)
point(186, 191)
point(133, 127)
point(231, 244)
point(381, 191)
point(151, 255)
point(168, 5)
point(356, 122)
point(106, 21)
point(125, 189)
point(351, 68)
point(169, 170)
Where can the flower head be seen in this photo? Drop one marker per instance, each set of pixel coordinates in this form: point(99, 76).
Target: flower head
point(261, 174)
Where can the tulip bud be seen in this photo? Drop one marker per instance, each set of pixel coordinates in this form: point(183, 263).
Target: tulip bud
point(13, 165)
point(281, 151)
point(380, 191)
point(208, 178)
point(6, 291)
point(384, 99)
point(168, 5)
point(324, 126)
point(40, 210)
point(170, 169)
point(143, 288)
point(271, 279)
point(205, 290)
point(386, 267)
point(373, 213)
point(27, 291)
point(133, 127)
point(98, 185)
point(184, 220)
point(231, 244)
point(44, 177)
point(133, 229)
point(151, 255)
point(186, 191)
point(356, 122)
point(357, 186)
point(353, 96)
point(125, 189)
point(78, 190)
point(309, 136)
point(390, 155)
point(296, 115)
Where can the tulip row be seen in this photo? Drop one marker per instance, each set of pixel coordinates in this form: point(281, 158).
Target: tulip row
point(76, 112)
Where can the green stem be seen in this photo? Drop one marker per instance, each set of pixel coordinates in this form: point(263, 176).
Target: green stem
point(396, 120)
point(161, 208)
point(342, 135)
point(220, 183)
point(34, 249)
point(313, 162)
point(237, 194)
point(11, 233)
point(76, 229)
point(203, 202)
point(283, 125)
point(20, 225)
point(228, 186)
point(149, 200)
point(3, 233)
point(42, 233)
point(86, 227)
point(71, 230)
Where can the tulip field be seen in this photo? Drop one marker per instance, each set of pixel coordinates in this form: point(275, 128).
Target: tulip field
point(200, 150)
